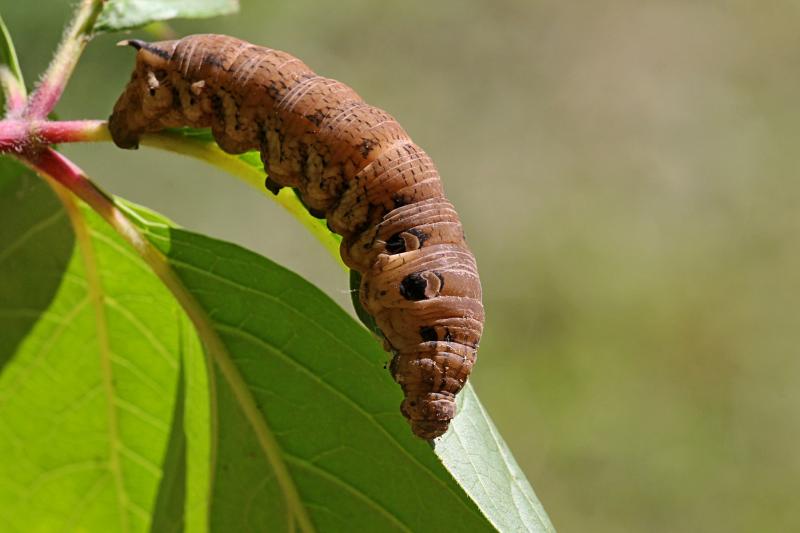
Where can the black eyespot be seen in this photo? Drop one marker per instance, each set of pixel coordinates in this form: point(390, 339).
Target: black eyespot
point(396, 244)
point(413, 287)
point(393, 364)
point(428, 334)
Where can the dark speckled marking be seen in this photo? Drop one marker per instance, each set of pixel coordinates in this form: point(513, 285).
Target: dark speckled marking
point(272, 186)
point(365, 147)
point(393, 365)
point(419, 234)
point(316, 118)
point(219, 110)
point(448, 337)
point(399, 200)
point(441, 278)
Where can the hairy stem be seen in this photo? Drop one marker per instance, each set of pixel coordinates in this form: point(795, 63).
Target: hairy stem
point(50, 89)
point(20, 135)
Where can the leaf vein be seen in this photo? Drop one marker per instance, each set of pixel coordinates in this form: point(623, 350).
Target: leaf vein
point(358, 407)
point(146, 332)
point(35, 228)
point(349, 487)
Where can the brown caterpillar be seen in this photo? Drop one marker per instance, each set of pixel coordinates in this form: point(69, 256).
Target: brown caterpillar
point(352, 164)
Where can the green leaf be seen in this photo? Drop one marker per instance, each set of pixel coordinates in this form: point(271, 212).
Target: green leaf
point(10, 73)
point(36, 244)
point(361, 313)
point(323, 396)
point(126, 14)
point(298, 420)
point(478, 457)
point(8, 55)
point(168, 515)
point(88, 386)
point(472, 450)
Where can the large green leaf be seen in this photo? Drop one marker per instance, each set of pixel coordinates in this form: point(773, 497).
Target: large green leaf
point(125, 14)
point(88, 386)
point(473, 451)
point(324, 398)
point(297, 425)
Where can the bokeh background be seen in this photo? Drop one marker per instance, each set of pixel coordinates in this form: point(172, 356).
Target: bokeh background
point(627, 173)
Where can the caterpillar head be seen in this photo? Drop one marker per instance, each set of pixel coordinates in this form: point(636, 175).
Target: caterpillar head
point(149, 95)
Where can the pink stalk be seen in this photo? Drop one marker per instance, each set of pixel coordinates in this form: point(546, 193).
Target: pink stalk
point(15, 103)
point(18, 136)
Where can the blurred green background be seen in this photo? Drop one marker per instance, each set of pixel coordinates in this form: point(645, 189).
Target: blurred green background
point(627, 175)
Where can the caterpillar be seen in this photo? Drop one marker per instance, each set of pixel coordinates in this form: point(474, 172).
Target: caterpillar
point(350, 163)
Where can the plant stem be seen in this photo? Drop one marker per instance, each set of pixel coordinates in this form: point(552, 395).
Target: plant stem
point(17, 135)
point(47, 95)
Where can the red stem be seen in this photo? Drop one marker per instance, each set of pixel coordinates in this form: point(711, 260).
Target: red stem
point(15, 102)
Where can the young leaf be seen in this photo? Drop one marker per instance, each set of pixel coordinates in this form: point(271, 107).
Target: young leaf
point(8, 56)
point(12, 84)
point(125, 14)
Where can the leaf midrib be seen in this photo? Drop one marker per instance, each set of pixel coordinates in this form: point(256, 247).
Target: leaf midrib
point(220, 355)
point(335, 339)
point(97, 295)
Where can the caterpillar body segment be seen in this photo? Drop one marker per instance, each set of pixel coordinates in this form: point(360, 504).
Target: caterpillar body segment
point(352, 164)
